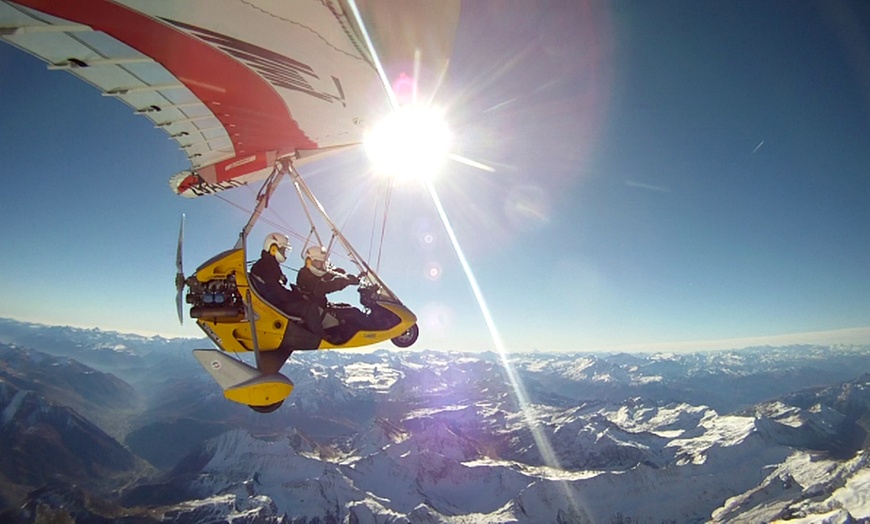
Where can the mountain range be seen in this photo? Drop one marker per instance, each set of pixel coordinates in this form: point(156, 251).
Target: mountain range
point(100, 427)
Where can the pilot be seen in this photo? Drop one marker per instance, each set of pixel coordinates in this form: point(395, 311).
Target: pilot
point(271, 281)
point(318, 277)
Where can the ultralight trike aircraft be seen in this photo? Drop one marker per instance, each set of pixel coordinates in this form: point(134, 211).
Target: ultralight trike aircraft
point(249, 91)
point(228, 308)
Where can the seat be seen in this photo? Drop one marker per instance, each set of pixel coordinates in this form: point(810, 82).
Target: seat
point(256, 282)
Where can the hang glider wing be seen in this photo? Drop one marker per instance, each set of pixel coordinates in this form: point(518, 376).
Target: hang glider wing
point(235, 84)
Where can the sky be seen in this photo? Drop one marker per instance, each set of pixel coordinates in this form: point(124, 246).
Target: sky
point(667, 176)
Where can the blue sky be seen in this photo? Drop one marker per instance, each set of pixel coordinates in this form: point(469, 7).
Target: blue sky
point(669, 175)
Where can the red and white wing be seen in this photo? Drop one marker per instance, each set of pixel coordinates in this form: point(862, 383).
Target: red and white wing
point(236, 84)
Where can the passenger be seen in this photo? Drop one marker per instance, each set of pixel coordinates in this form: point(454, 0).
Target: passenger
point(271, 284)
point(319, 278)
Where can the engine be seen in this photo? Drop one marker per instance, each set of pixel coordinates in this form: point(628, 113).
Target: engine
point(216, 300)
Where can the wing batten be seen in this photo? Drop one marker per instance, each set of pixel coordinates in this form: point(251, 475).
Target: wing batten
point(121, 91)
point(117, 70)
point(20, 30)
point(74, 63)
point(209, 73)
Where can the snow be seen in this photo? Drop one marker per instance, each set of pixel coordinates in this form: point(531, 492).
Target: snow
point(669, 421)
point(576, 370)
point(226, 508)
point(603, 377)
point(426, 412)
point(367, 376)
point(855, 495)
point(781, 413)
point(317, 372)
point(652, 379)
point(550, 473)
point(837, 516)
point(446, 442)
point(717, 431)
point(437, 474)
point(458, 449)
point(817, 477)
point(808, 488)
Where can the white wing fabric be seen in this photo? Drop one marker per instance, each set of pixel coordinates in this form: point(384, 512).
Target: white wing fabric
point(235, 83)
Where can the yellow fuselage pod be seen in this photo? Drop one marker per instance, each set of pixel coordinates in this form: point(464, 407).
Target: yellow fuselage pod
point(367, 338)
point(234, 334)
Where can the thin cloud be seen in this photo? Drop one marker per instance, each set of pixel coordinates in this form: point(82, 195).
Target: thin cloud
point(649, 187)
point(757, 147)
point(851, 336)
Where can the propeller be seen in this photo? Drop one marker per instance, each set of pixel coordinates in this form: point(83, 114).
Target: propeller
point(179, 275)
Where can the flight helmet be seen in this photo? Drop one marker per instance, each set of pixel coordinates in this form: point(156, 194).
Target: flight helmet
point(315, 259)
point(281, 244)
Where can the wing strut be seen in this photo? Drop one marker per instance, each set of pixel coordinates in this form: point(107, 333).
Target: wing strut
point(249, 311)
point(284, 166)
point(305, 194)
point(262, 203)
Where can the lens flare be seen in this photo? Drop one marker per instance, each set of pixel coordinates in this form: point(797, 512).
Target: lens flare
point(436, 318)
point(528, 411)
point(433, 271)
point(439, 140)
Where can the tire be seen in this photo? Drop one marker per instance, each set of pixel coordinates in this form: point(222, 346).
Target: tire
point(267, 409)
point(407, 338)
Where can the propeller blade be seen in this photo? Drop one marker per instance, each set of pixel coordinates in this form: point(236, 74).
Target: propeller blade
point(178, 261)
point(179, 276)
point(179, 304)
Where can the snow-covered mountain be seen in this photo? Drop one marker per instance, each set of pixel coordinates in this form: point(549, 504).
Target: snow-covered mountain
point(640, 461)
point(751, 435)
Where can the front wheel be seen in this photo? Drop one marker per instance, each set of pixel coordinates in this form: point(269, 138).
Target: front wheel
point(407, 338)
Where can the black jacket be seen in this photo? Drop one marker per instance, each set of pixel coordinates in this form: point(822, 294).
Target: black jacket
point(316, 288)
point(269, 279)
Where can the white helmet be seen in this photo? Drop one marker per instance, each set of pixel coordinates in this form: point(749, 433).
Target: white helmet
point(315, 259)
point(281, 242)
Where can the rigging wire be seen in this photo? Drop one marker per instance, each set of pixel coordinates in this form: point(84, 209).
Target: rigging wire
point(282, 226)
point(374, 221)
point(384, 223)
point(343, 224)
point(284, 223)
point(281, 223)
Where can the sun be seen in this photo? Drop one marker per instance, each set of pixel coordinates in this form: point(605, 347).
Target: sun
point(411, 143)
